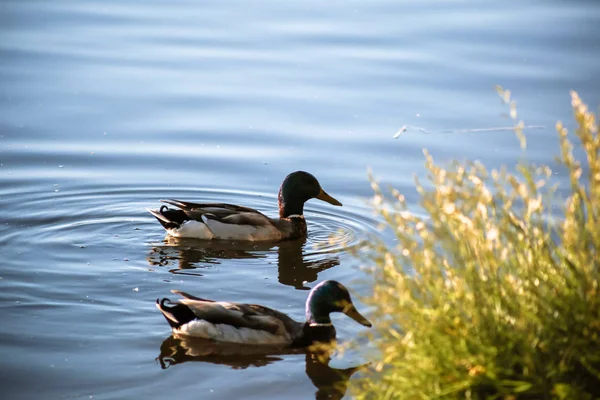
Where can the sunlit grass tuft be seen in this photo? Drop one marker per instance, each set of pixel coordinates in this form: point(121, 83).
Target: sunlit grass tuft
point(493, 293)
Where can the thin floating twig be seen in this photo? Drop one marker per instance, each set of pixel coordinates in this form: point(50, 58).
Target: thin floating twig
point(400, 132)
point(500, 128)
point(473, 130)
point(407, 127)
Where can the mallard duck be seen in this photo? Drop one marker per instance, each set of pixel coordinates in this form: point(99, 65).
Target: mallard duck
point(227, 221)
point(258, 325)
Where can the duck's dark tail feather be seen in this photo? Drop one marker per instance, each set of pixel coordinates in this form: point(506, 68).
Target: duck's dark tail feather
point(189, 296)
point(176, 315)
point(169, 218)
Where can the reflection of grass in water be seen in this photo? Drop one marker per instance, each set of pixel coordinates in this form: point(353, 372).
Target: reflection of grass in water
point(488, 296)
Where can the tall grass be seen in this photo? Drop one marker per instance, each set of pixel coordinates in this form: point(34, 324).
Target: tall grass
point(494, 293)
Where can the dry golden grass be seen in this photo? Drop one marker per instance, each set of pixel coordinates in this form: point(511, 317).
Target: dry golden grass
point(493, 293)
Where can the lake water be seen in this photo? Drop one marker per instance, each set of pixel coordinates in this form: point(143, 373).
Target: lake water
point(108, 106)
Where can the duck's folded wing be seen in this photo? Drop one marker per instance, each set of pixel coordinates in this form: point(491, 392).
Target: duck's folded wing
point(241, 315)
point(217, 209)
point(291, 326)
point(221, 212)
point(246, 218)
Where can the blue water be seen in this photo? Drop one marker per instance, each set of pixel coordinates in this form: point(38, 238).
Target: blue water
point(108, 106)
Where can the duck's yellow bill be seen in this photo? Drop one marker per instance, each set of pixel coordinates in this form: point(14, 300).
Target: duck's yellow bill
point(325, 197)
point(353, 313)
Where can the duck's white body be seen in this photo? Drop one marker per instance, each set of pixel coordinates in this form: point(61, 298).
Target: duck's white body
point(253, 324)
point(229, 322)
point(213, 229)
point(225, 221)
point(230, 334)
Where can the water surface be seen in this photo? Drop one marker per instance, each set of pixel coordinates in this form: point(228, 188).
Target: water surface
point(107, 107)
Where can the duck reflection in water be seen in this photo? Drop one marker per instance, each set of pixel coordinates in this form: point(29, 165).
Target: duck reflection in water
point(295, 266)
point(331, 383)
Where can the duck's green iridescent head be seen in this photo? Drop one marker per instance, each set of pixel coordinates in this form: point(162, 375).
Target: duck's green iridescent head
point(297, 188)
point(328, 297)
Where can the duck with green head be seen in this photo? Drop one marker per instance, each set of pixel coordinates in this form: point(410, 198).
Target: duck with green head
point(228, 221)
point(253, 324)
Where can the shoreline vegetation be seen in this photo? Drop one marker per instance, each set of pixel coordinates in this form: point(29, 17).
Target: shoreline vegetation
point(494, 292)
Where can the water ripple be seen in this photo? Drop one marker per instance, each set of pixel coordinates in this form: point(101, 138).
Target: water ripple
point(111, 216)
